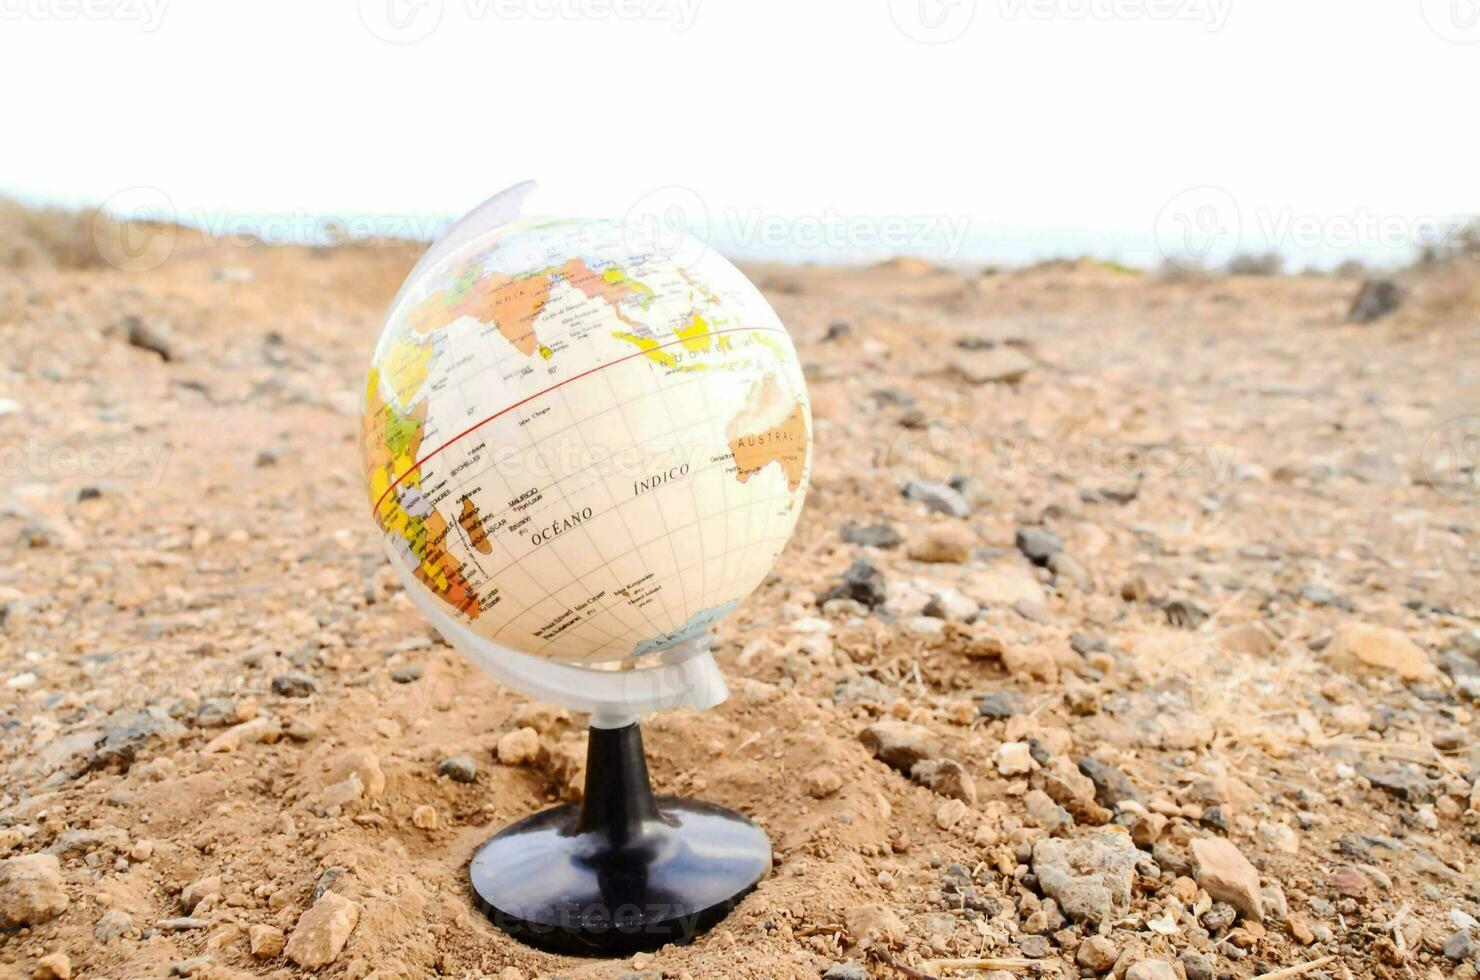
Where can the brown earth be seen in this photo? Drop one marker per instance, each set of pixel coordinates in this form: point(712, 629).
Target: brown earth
point(216, 700)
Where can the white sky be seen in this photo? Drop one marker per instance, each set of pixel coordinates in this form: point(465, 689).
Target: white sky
point(1043, 122)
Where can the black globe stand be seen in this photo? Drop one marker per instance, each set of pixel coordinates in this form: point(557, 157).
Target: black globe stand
point(624, 872)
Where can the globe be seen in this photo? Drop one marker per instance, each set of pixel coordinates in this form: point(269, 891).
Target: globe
point(584, 447)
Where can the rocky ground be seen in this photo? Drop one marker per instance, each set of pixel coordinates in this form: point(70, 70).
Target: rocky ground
point(1130, 630)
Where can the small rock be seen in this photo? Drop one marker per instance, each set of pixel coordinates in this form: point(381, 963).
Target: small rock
point(293, 685)
point(265, 941)
point(846, 971)
point(1097, 953)
point(406, 673)
point(1196, 965)
point(1152, 970)
point(150, 338)
point(113, 924)
point(1090, 877)
point(942, 544)
point(1460, 947)
point(424, 817)
point(863, 583)
point(872, 536)
point(822, 782)
point(1375, 300)
point(520, 747)
point(874, 921)
point(362, 764)
point(459, 768)
point(1224, 872)
point(55, 966)
point(322, 931)
point(198, 891)
point(999, 705)
point(31, 890)
point(1111, 785)
point(1038, 544)
point(900, 744)
point(1014, 759)
point(1361, 646)
point(937, 497)
point(997, 365)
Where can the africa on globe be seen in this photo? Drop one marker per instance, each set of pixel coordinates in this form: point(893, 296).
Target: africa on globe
point(585, 447)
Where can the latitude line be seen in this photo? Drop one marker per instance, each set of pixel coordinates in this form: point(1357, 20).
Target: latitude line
point(559, 384)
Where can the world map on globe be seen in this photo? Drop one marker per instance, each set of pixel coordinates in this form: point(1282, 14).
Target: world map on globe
point(585, 448)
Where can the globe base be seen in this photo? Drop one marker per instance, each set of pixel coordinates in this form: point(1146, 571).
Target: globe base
point(624, 872)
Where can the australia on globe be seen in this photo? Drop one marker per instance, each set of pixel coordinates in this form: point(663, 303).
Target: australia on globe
point(584, 448)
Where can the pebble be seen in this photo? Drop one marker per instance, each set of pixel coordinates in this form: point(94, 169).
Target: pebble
point(1097, 953)
point(863, 583)
point(1090, 877)
point(1152, 970)
point(322, 931)
point(941, 544)
point(1014, 759)
point(459, 768)
point(1197, 966)
point(937, 497)
point(31, 890)
point(1460, 946)
point(265, 942)
point(1362, 646)
point(406, 673)
point(293, 685)
point(900, 744)
point(845, 971)
point(1038, 544)
point(424, 817)
point(113, 924)
point(520, 747)
point(822, 782)
point(1111, 785)
point(1224, 873)
point(872, 536)
point(999, 705)
point(54, 966)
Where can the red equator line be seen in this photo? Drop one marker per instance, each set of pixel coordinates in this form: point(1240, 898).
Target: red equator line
point(559, 384)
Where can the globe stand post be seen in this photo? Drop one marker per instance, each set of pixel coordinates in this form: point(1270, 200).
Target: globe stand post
point(625, 871)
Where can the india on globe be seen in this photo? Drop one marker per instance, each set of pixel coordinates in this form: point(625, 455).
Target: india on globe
point(586, 448)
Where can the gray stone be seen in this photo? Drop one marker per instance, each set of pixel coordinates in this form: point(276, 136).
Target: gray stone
point(406, 673)
point(862, 582)
point(1038, 544)
point(1375, 300)
point(999, 705)
point(1460, 947)
point(845, 971)
point(872, 536)
point(1111, 785)
point(937, 497)
point(1089, 877)
point(1197, 966)
point(294, 685)
point(459, 768)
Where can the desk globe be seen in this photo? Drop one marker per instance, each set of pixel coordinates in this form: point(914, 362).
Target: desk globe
point(584, 443)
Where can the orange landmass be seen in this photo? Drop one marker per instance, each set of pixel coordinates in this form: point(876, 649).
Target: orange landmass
point(472, 523)
point(756, 445)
